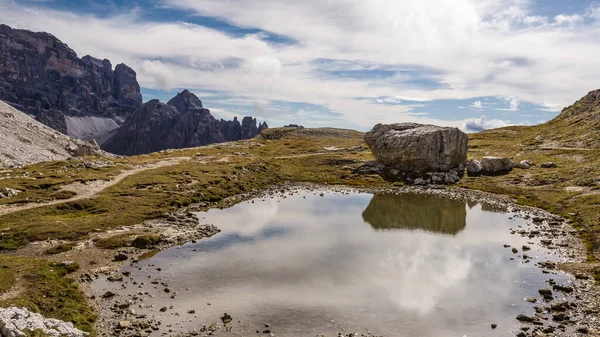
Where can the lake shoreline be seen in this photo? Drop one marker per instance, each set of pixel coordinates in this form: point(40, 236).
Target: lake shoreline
point(569, 245)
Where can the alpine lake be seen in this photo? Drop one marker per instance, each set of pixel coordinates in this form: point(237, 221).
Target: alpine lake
point(313, 263)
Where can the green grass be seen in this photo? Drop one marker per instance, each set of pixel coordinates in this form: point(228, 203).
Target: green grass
point(45, 290)
point(146, 241)
point(544, 188)
point(114, 242)
point(43, 181)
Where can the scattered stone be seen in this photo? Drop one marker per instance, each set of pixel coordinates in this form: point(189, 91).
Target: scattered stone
point(474, 168)
point(121, 257)
point(496, 165)
point(226, 318)
point(124, 324)
point(564, 289)
point(524, 318)
point(6, 193)
point(560, 317)
point(548, 165)
point(582, 329)
point(524, 164)
point(108, 294)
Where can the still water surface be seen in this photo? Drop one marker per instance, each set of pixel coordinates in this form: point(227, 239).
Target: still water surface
point(395, 265)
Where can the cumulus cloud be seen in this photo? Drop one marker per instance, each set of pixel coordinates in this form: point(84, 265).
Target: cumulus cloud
point(481, 123)
point(530, 59)
point(157, 73)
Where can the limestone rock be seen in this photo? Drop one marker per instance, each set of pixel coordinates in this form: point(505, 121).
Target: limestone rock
point(474, 167)
point(418, 147)
point(496, 165)
point(14, 321)
point(524, 164)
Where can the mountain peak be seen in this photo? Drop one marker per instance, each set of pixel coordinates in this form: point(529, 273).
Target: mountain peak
point(185, 101)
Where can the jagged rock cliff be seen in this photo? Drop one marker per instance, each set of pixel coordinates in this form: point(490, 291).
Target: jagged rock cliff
point(180, 123)
point(43, 77)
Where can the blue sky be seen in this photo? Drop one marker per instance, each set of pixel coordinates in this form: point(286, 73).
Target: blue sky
point(473, 64)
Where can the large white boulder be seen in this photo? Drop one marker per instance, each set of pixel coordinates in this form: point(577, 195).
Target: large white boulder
point(417, 147)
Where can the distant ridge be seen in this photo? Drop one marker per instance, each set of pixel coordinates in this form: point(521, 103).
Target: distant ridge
point(181, 123)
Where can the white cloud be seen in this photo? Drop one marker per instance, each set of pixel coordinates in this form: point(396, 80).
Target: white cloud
point(568, 19)
point(481, 123)
point(530, 59)
point(477, 105)
point(157, 73)
point(593, 11)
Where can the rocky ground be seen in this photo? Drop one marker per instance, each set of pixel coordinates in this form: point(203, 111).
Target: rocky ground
point(25, 141)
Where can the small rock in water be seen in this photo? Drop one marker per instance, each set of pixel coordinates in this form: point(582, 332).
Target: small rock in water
point(108, 294)
point(226, 318)
point(524, 318)
point(124, 324)
point(121, 257)
point(494, 326)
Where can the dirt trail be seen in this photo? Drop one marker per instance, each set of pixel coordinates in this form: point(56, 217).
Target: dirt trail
point(90, 190)
point(564, 148)
point(301, 155)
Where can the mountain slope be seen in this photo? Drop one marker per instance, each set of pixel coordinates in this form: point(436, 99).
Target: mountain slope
point(82, 97)
point(576, 126)
point(25, 140)
point(182, 122)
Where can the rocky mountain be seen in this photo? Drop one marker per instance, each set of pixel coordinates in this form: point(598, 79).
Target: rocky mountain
point(180, 123)
point(25, 141)
point(81, 97)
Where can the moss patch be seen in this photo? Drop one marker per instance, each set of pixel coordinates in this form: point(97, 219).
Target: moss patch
point(61, 248)
point(114, 242)
point(147, 241)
